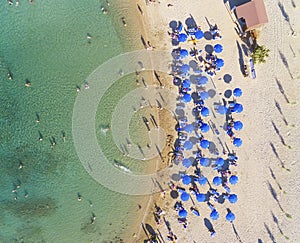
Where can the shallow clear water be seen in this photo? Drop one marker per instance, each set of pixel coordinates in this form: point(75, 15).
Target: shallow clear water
point(46, 44)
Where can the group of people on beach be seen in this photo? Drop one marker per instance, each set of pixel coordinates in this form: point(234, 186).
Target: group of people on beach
point(222, 166)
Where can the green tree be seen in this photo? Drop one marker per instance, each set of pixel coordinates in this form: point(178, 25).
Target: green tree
point(260, 54)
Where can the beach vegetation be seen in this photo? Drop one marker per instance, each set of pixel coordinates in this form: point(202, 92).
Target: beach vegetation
point(260, 54)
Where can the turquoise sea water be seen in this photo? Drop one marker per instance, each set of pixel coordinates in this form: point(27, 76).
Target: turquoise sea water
point(46, 44)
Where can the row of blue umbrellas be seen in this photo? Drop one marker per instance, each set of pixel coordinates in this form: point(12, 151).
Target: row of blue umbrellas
point(214, 215)
point(186, 179)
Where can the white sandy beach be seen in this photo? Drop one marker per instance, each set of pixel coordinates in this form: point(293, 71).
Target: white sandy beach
point(266, 191)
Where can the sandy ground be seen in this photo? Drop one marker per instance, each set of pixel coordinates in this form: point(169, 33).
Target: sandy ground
point(268, 185)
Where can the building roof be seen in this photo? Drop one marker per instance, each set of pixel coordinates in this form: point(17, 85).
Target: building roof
point(254, 13)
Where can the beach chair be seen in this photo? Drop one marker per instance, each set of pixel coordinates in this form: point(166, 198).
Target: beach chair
point(253, 74)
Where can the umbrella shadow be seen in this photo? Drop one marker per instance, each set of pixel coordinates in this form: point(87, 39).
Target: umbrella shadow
point(208, 224)
point(228, 93)
point(213, 148)
point(286, 16)
point(209, 24)
point(209, 48)
point(275, 179)
point(280, 111)
point(241, 59)
point(176, 177)
point(236, 233)
point(212, 93)
point(278, 133)
point(275, 219)
point(282, 90)
point(143, 42)
point(193, 65)
point(190, 22)
point(245, 49)
point(285, 63)
point(274, 195)
point(277, 156)
point(173, 25)
point(208, 35)
point(271, 236)
point(233, 3)
point(227, 78)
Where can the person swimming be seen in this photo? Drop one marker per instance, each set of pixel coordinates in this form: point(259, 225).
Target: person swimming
point(123, 21)
point(104, 11)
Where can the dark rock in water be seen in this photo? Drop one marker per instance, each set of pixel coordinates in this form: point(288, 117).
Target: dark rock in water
point(32, 208)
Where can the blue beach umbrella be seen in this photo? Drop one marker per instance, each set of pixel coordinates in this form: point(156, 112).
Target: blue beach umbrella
point(182, 213)
point(204, 144)
point(237, 92)
point(218, 48)
point(204, 127)
point(186, 83)
point(189, 128)
point(202, 80)
point(237, 142)
point(188, 145)
point(202, 180)
point(232, 198)
point(217, 181)
point(238, 125)
point(220, 63)
point(238, 108)
point(185, 68)
point(182, 37)
point(186, 162)
point(233, 179)
point(201, 197)
point(219, 162)
point(204, 161)
point(184, 53)
point(185, 196)
point(222, 110)
point(186, 180)
point(187, 98)
point(230, 217)
point(204, 95)
point(214, 215)
point(199, 34)
point(204, 111)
